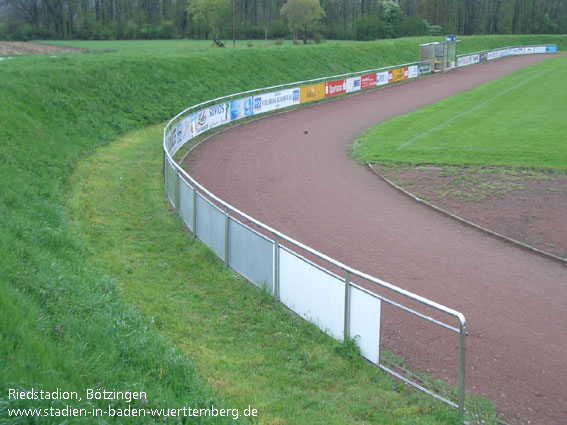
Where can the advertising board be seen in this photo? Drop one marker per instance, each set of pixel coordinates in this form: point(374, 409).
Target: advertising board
point(424, 68)
point(352, 84)
point(367, 81)
point(241, 108)
point(334, 88)
point(311, 93)
point(399, 74)
point(382, 78)
point(493, 55)
point(550, 49)
point(201, 121)
point(413, 71)
point(276, 100)
point(218, 114)
point(181, 134)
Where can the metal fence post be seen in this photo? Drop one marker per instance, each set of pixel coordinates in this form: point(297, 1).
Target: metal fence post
point(347, 306)
point(164, 172)
point(226, 236)
point(462, 336)
point(177, 191)
point(194, 210)
point(276, 268)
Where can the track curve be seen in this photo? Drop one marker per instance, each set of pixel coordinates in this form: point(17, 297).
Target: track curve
point(306, 186)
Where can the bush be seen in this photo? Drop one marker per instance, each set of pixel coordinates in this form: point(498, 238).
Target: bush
point(278, 29)
point(166, 31)
point(435, 30)
point(412, 27)
point(318, 38)
point(338, 32)
point(367, 28)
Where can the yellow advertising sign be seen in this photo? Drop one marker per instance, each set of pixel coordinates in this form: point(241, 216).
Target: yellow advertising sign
point(398, 74)
point(311, 93)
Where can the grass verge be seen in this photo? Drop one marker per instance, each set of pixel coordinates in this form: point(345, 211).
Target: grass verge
point(249, 348)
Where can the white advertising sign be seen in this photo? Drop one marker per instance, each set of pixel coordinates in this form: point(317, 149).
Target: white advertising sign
point(241, 108)
point(352, 84)
point(218, 114)
point(493, 55)
point(201, 121)
point(464, 61)
point(212, 117)
point(181, 134)
point(413, 71)
point(382, 78)
point(277, 100)
point(539, 49)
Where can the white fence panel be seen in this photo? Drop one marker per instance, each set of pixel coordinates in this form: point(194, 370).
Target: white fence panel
point(211, 224)
point(312, 293)
point(170, 176)
point(251, 255)
point(365, 323)
point(186, 203)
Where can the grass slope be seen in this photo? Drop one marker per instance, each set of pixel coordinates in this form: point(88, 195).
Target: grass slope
point(517, 121)
point(65, 321)
point(250, 349)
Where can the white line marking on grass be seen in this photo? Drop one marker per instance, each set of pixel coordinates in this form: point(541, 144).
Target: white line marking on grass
point(480, 105)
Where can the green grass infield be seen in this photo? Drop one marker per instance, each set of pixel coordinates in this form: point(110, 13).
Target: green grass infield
point(516, 121)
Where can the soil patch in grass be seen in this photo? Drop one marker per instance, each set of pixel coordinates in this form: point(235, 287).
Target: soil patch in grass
point(8, 48)
point(525, 205)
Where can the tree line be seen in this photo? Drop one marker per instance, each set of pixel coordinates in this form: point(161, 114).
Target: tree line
point(274, 19)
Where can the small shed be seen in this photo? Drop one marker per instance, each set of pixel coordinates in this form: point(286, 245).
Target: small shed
point(442, 55)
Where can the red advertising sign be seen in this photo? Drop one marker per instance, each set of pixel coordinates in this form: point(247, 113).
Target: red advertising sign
point(367, 81)
point(335, 88)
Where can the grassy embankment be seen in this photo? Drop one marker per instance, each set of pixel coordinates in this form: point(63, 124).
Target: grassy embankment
point(71, 317)
point(517, 121)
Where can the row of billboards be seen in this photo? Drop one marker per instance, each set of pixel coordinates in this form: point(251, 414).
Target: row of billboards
point(232, 110)
point(501, 53)
point(225, 112)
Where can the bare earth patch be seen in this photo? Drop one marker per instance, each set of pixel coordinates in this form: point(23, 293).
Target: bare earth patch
point(8, 48)
point(528, 206)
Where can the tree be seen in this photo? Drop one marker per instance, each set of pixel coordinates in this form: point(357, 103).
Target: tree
point(389, 17)
point(301, 15)
point(215, 13)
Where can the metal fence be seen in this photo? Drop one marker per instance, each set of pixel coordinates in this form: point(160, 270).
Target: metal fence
point(341, 301)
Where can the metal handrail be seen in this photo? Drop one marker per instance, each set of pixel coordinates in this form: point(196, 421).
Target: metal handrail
point(345, 268)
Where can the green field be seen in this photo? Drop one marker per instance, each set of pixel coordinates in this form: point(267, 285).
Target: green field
point(390, 50)
point(517, 121)
point(101, 289)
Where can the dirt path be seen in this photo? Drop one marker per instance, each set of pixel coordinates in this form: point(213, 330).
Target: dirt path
point(8, 48)
point(306, 186)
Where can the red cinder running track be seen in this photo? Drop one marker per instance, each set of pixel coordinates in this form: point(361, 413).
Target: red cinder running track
point(306, 186)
